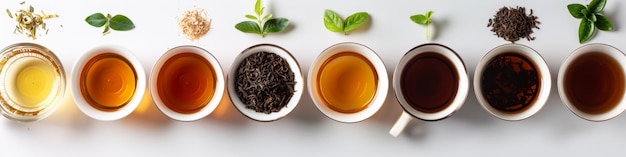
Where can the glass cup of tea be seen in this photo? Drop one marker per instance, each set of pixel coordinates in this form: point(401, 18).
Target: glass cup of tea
point(265, 82)
point(512, 82)
point(187, 83)
point(348, 82)
point(430, 83)
point(32, 82)
point(591, 82)
point(108, 83)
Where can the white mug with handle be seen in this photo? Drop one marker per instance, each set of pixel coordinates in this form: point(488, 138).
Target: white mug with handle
point(438, 99)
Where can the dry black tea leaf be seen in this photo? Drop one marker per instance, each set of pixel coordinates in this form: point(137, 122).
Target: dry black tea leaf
point(511, 24)
point(265, 82)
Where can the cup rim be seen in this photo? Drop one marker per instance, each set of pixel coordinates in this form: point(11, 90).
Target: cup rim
point(616, 54)
point(462, 87)
point(381, 90)
point(540, 66)
point(298, 87)
point(219, 83)
point(51, 57)
point(140, 86)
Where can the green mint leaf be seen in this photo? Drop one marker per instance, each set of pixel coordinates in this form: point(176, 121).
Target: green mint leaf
point(257, 8)
point(275, 25)
point(354, 21)
point(248, 27)
point(576, 10)
point(121, 23)
point(585, 12)
point(428, 14)
point(332, 21)
point(596, 6)
point(585, 31)
point(419, 19)
point(591, 17)
point(251, 17)
point(267, 17)
point(603, 23)
point(96, 20)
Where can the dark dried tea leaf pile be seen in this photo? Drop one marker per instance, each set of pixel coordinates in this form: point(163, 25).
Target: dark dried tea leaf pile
point(510, 83)
point(264, 82)
point(511, 24)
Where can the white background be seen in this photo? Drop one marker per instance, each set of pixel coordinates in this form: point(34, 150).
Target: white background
point(461, 25)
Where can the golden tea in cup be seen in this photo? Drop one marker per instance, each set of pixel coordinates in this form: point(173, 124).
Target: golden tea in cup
point(348, 82)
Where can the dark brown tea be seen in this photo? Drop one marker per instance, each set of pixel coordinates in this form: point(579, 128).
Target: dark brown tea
point(510, 82)
point(429, 82)
point(594, 83)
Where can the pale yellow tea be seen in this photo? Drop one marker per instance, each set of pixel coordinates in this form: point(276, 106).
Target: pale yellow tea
point(31, 82)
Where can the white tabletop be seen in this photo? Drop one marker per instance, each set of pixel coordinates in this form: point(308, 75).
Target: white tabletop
point(461, 25)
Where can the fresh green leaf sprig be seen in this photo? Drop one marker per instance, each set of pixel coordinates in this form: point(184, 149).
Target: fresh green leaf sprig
point(591, 18)
point(334, 23)
point(424, 19)
point(263, 23)
point(117, 22)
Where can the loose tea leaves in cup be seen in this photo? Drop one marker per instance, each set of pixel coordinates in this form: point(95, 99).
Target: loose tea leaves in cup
point(264, 82)
point(510, 82)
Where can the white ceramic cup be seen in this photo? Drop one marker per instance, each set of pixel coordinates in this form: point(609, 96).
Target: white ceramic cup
point(215, 98)
point(293, 65)
point(454, 105)
point(608, 50)
point(381, 89)
point(539, 65)
point(83, 104)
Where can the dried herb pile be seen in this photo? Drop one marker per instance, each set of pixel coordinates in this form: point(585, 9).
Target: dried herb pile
point(510, 83)
point(194, 24)
point(28, 21)
point(511, 24)
point(265, 82)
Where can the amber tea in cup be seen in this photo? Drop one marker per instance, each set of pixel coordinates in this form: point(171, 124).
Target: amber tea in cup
point(108, 82)
point(187, 83)
point(592, 82)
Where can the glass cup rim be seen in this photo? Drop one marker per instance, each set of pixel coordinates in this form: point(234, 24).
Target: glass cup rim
point(541, 67)
point(612, 51)
point(381, 90)
point(219, 83)
point(298, 87)
point(140, 86)
point(462, 87)
point(50, 57)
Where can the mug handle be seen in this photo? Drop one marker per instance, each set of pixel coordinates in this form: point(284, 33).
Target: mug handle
point(400, 124)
